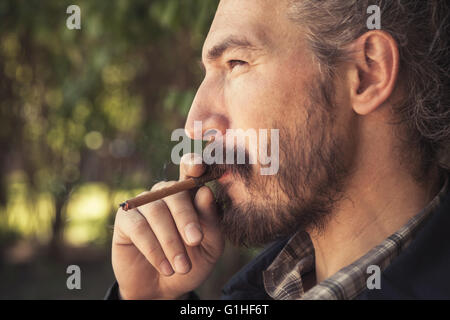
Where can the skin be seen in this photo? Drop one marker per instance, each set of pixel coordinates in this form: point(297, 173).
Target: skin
point(255, 86)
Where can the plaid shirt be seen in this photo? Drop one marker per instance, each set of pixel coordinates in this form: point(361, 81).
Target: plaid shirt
point(283, 278)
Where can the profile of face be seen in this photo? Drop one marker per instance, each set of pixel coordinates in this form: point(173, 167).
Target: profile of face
point(260, 74)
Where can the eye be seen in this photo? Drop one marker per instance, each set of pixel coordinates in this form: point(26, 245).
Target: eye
point(235, 63)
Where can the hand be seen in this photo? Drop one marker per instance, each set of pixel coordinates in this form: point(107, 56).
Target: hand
point(164, 249)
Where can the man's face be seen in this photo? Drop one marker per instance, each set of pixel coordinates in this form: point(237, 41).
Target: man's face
point(261, 75)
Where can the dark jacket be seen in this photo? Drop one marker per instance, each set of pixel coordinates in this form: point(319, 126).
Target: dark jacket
point(421, 271)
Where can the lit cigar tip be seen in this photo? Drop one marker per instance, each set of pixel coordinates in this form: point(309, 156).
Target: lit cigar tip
point(124, 206)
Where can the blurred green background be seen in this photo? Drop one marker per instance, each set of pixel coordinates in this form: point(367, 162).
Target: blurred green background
point(85, 122)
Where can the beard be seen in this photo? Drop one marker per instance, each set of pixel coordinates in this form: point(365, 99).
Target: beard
point(309, 183)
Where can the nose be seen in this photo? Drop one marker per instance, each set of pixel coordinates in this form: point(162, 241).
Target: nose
point(207, 108)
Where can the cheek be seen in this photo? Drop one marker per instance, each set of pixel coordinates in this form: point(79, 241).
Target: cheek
point(264, 99)
point(263, 96)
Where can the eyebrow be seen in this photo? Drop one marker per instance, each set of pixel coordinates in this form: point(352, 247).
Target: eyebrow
point(231, 42)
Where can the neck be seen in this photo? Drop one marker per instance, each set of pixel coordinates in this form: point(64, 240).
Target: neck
point(377, 203)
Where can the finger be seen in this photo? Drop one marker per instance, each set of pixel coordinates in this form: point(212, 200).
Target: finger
point(185, 217)
point(191, 165)
point(213, 240)
point(161, 222)
point(133, 225)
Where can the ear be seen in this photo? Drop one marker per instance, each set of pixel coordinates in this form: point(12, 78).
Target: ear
point(373, 70)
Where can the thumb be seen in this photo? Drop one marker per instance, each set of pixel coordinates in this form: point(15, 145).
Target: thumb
point(191, 165)
point(213, 240)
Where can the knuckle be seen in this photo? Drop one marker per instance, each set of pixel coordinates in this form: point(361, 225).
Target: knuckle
point(155, 252)
point(170, 183)
point(142, 193)
point(162, 184)
point(155, 208)
point(158, 185)
point(170, 242)
point(139, 227)
point(183, 212)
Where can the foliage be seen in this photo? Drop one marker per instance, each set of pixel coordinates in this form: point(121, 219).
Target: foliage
point(90, 111)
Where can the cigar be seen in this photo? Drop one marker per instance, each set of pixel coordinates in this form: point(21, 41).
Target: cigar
point(184, 185)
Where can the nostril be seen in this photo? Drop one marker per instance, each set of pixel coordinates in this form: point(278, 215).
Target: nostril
point(209, 134)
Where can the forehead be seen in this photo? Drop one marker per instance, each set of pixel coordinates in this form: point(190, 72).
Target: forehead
point(260, 21)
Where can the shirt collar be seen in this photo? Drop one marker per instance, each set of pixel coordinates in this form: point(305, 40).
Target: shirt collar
point(283, 278)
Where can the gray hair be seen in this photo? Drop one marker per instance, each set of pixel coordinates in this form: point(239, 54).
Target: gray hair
point(421, 30)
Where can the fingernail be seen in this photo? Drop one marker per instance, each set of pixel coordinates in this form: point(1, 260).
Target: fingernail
point(165, 268)
point(181, 263)
point(193, 233)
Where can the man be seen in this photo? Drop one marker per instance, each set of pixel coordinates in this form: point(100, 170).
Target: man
point(364, 120)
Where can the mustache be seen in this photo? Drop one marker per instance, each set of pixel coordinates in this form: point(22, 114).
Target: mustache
point(242, 170)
